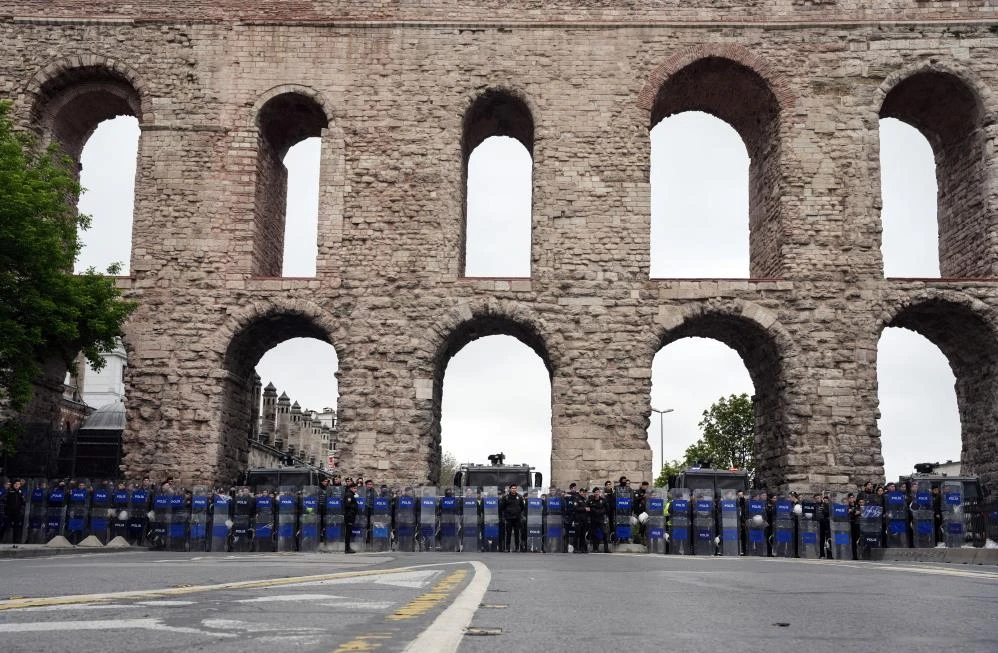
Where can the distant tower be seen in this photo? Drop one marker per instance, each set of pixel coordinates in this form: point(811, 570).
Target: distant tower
point(268, 425)
point(255, 407)
point(294, 430)
point(283, 421)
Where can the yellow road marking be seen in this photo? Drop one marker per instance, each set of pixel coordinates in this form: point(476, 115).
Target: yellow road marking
point(425, 602)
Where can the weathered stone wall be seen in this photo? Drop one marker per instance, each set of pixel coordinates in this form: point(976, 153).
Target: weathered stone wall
point(394, 82)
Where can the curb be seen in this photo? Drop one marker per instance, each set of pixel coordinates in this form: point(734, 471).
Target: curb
point(968, 556)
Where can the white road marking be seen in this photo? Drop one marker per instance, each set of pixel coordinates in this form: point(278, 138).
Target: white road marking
point(410, 579)
point(360, 605)
point(445, 633)
point(110, 624)
point(164, 604)
point(290, 597)
point(248, 627)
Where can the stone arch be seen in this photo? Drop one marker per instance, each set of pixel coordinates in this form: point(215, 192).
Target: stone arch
point(496, 111)
point(947, 106)
point(283, 116)
point(465, 323)
point(743, 90)
point(764, 345)
point(72, 95)
point(239, 344)
point(964, 329)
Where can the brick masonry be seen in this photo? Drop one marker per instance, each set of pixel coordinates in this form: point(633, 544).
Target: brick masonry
point(220, 87)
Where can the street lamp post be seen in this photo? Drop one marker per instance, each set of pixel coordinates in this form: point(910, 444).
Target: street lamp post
point(661, 434)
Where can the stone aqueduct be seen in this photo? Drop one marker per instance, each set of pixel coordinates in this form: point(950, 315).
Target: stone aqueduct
point(401, 92)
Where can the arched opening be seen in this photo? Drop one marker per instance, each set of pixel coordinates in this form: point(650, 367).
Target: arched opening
point(687, 377)
point(497, 149)
point(107, 175)
point(740, 97)
point(497, 398)
point(970, 348)
point(699, 199)
point(714, 345)
point(283, 121)
point(948, 113)
point(497, 394)
point(276, 361)
point(910, 242)
point(301, 230)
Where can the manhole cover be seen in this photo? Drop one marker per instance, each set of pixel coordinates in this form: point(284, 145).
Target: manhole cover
point(483, 632)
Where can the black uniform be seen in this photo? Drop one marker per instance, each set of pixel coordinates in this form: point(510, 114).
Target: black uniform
point(597, 522)
point(511, 509)
point(349, 517)
point(579, 511)
point(14, 517)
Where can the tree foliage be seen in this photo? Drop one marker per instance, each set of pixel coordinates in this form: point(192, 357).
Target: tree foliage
point(448, 467)
point(669, 469)
point(728, 439)
point(46, 311)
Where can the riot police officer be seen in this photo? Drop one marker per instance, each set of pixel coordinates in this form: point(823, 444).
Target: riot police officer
point(511, 508)
point(578, 513)
point(597, 520)
point(349, 515)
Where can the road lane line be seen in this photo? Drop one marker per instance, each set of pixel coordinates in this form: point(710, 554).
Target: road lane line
point(111, 624)
point(445, 633)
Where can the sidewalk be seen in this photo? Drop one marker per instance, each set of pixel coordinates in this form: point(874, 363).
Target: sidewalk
point(965, 556)
point(44, 550)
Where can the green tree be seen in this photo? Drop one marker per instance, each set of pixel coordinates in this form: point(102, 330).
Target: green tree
point(670, 468)
point(728, 440)
point(46, 311)
point(448, 467)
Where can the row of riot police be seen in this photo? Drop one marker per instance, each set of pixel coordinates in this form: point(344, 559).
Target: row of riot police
point(678, 521)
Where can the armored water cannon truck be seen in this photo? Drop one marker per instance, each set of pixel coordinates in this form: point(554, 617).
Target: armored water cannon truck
point(925, 473)
point(718, 480)
point(496, 474)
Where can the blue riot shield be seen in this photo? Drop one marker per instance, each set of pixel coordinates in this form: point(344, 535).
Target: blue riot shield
point(680, 522)
point(177, 526)
point(923, 523)
point(198, 532)
point(896, 518)
point(450, 521)
point(359, 540)
point(428, 519)
point(287, 518)
point(138, 515)
point(470, 526)
point(77, 508)
point(263, 521)
point(954, 518)
point(120, 500)
point(871, 525)
point(55, 512)
point(101, 514)
point(381, 522)
point(333, 524)
point(491, 532)
point(624, 515)
point(554, 526)
point(405, 520)
point(308, 537)
point(704, 523)
point(840, 526)
point(221, 522)
point(808, 531)
point(535, 523)
point(783, 528)
point(756, 523)
point(731, 521)
point(159, 523)
point(655, 523)
point(37, 513)
point(243, 504)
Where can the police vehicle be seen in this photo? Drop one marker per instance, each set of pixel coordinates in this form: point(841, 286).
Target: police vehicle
point(973, 493)
point(718, 480)
point(496, 474)
point(276, 477)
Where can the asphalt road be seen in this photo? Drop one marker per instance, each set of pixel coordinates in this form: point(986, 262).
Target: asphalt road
point(147, 601)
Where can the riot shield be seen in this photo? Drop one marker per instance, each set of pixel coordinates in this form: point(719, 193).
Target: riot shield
point(179, 516)
point(680, 522)
point(381, 522)
point(428, 519)
point(243, 504)
point(871, 520)
point(535, 522)
point(756, 525)
point(359, 531)
point(655, 523)
point(841, 527)
point(333, 524)
point(923, 525)
point(470, 527)
point(309, 525)
point(221, 522)
point(198, 538)
point(159, 523)
point(101, 514)
point(704, 523)
point(263, 521)
point(783, 528)
point(120, 500)
point(731, 521)
point(554, 527)
point(808, 531)
point(450, 521)
point(37, 512)
point(954, 521)
point(491, 533)
point(287, 518)
point(896, 517)
point(138, 515)
point(55, 512)
point(405, 520)
point(77, 508)
point(624, 514)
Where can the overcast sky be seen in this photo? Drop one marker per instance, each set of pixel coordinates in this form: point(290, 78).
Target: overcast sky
point(496, 390)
